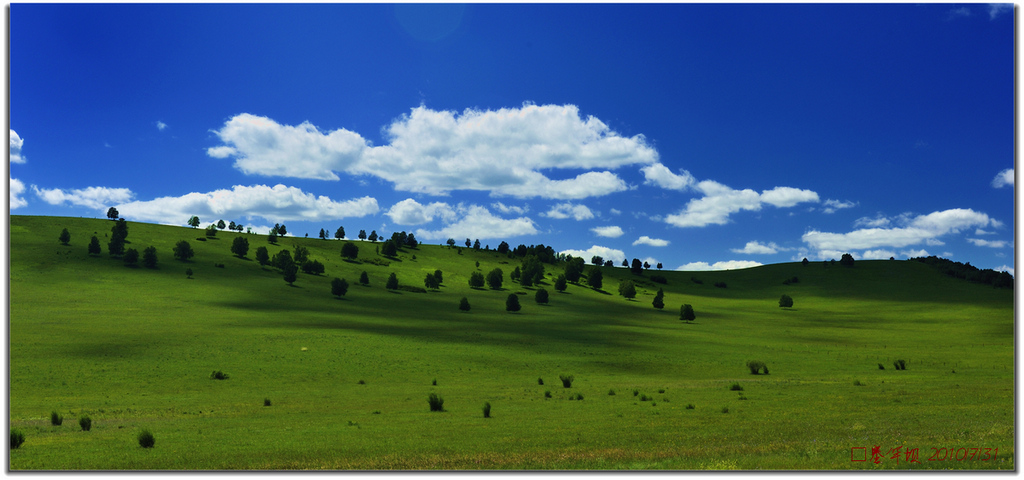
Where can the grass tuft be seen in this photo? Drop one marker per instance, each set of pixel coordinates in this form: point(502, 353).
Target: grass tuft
point(219, 375)
point(86, 423)
point(487, 409)
point(17, 438)
point(566, 380)
point(436, 403)
point(55, 418)
point(146, 439)
point(736, 387)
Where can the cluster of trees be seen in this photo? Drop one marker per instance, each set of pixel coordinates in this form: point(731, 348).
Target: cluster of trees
point(966, 271)
point(116, 245)
point(194, 222)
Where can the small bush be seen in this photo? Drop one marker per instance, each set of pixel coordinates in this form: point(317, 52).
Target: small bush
point(86, 423)
point(689, 406)
point(857, 383)
point(611, 392)
point(361, 382)
point(566, 380)
point(661, 390)
point(755, 367)
point(266, 402)
point(881, 367)
point(55, 418)
point(17, 438)
point(218, 265)
point(464, 304)
point(903, 365)
point(578, 396)
point(742, 397)
point(436, 403)
point(736, 387)
point(410, 288)
point(146, 439)
point(636, 392)
point(219, 375)
point(645, 398)
point(487, 409)
point(785, 301)
point(697, 280)
point(725, 409)
point(547, 394)
point(540, 381)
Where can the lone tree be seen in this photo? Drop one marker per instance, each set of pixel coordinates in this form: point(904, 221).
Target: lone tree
point(464, 304)
point(637, 267)
point(595, 278)
point(340, 233)
point(686, 313)
point(221, 225)
point(131, 257)
point(597, 260)
point(183, 251)
point(451, 242)
point(262, 256)
point(65, 237)
point(495, 279)
point(94, 246)
point(112, 213)
point(476, 280)
point(560, 283)
point(362, 234)
point(339, 287)
point(430, 281)
point(785, 301)
point(364, 278)
point(541, 296)
point(373, 236)
point(350, 251)
point(659, 265)
point(149, 257)
point(512, 303)
point(627, 289)
point(291, 273)
point(846, 260)
point(194, 221)
point(240, 246)
point(392, 283)
point(659, 299)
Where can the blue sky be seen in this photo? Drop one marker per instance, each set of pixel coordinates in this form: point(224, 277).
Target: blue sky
point(696, 136)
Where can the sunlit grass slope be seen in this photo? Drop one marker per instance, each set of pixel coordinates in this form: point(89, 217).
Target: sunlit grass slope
point(348, 379)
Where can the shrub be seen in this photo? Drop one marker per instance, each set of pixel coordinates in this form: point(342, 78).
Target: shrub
point(689, 406)
point(636, 392)
point(266, 402)
point(339, 287)
point(219, 375)
point(476, 280)
point(755, 366)
point(547, 394)
point(364, 279)
point(578, 396)
point(881, 367)
point(410, 288)
point(131, 257)
point(146, 439)
point(512, 303)
point(627, 289)
point(240, 246)
point(218, 265)
point(896, 365)
point(785, 301)
point(566, 380)
point(903, 365)
point(436, 403)
point(487, 409)
point(697, 280)
point(659, 299)
point(541, 296)
point(495, 279)
point(55, 418)
point(361, 382)
point(86, 423)
point(149, 259)
point(540, 381)
point(686, 313)
point(725, 409)
point(183, 251)
point(188, 272)
point(857, 383)
point(645, 398)
point(17, 438)
point(464, 304)
point(392, 283)
point(736, 387)
point(611, 391)
point(661, 390)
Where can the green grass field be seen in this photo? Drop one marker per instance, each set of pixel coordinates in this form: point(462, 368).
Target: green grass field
point(348, 379)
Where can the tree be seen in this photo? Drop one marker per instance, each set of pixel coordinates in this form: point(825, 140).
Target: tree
point(476, 244)
point(283, 230)
point(362, 234)
point(439, 276)
point(339, 233)
point(846, 260)
point(339, 287)
point(364, 278)
point(647, 266)
point(389, 249)
point(116, 245)
point(464, 304)
point(149, 257)
point(495, 279)
point(574, 269)
point(560, 283)
point(323, 234)
point(512, 303)
point(262, 256)
point(476, 280)
point(120, 229)
point(94, 246)
point(221, 225)
point(188, 272)
point(597, 260)
point(659, 265)
point(373, 236)
point(532, 272)
point(283, 260)
point(503, 247)
point(659, 299)
point(301, 254)
point(65, 237)
point(291, 273)
point(112, 213)
point(469, 243)
point(211, 231)
point(451, 242)
point(194, 221)
point(349, 250)
point(515, 274)
point(240, 246)
point(785, 301)
point(411, 242)
point(541, 296)
point(686, 313)
point(430, 281)
point(392, 283)
point(637, 268)
point(627, 289)
point(595, 278)
point(625, 263)
point(131, 257)
point(312, 267)
point(232, 226)
point(183, 251)
point(272, 237)
point(805, 261)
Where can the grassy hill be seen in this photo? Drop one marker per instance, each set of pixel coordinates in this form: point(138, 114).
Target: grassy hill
point(348, 379)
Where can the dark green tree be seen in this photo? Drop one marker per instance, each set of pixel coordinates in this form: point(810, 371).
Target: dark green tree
point(574, 269)
point(609, 263)
point(339, 233)
point(232, 226)
point(512, 303)
point(291, 273)
point(805, 262)
point(647, 266)
point(312, 267)
point(211, 231)
point(846, 260)
point(183, 251)
point(240, 246)
point(476, 244)
point(350, 251)
point(785, 301)
point(301, 255)
point(364, 278)
point(116, 245)
point(429, 281)
point(468, 243)
point(362, 234)
point(659, 299)
point(262, 256)
point(464, 304)
point(451, 242)
point(392, 283)
point(476, 280)
point(112, 213)
point(193, 222)
point(283, 260)
point(637, 267)
point(389, 249)
point(339, 287)
point(627, 289)
point(495, 278)
point(686, 313)
point(120, 229)
point(439, 276)
point(221, 225)
point(595, 278)
point(373, 236)
point(659, 265)
point(532, 272)
point(94, 246)
point(282, 230)
point(597, 260)
point(503, 247)
point(149, 259)
point(411, 242)
point(131, 257)
point(560, 284)
point(541, 296)
point(625, 263)
point(272, 237)
point(65, 237)
point(515, 274)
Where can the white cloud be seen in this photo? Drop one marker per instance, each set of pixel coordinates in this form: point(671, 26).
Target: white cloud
point(1004, 268)
point(566, 210)
point(995, 9)
point(727, 265)
point(958, 12)
point(988, 243)
point(615, 255)
point(411, 212)
point(720, 201)
point(612, 231)
point(274, 204)
point(17, 189)
point(654, 242)
point(915, 253)
point(478, 222)
point(983, 232)
point(507, 209)
point(435, 152)
point(160, 125)
point(653, 262)
point(934, 242)
point(918, 230)
point(660, 175)
point(875, 255)
point(832, 205)
point(1004, 178)
point(879, 221)
point(99, 198)
point(615, 211)
point(755, 248)
point(16, 143)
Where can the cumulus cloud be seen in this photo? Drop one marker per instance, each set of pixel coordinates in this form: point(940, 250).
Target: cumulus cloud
point(726, 265)
point(988, 243)
point(507, 209)
point(1004, 178)
point(478, 222)
point(755, 248)
point(615, 255)
point(874, 255)
point(434, 152)
point(99, 198)
point(566, 210)
point(720, 201)
point(274, 204)
point(654, 242)
point(17, 189)
point(784, 197)
point(917, 253)
point(659, 175)
point(411, 212)
point(16, 143)
point(832, 205)
point(879, 221)
point(612, 231)
point(915, 231)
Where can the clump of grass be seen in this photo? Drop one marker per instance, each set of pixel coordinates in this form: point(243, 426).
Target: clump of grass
point(903, 365)
point(611, 392)
point(146, 439)
point(566, 380)
point(85, 422)
point(645, 398)
point(636, 392)
point(17, 438)
point(540, 381)
point(661, 390)
point(725, 409)
point(742, 397)
point(578, 396)
point(376, 412)
point(436, 403)
point(547, 394)
point(55, 418)
point(434, 382)
point(689, 406)
point(266, 402)
point(361, 382)
point(881, 367)
point(219, 375)
point(857, 383)
point(487, 409)
point(736, 387)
